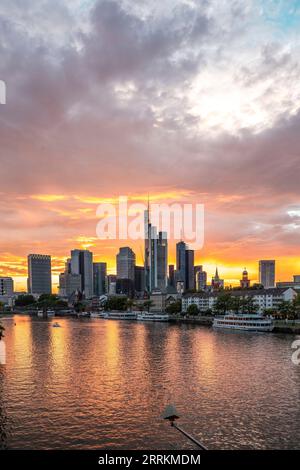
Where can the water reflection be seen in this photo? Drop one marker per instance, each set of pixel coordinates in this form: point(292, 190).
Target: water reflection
point(103, 384)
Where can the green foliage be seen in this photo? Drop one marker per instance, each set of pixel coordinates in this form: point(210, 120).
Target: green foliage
point(148, 304)
point(174, 307)
point(24, 300)
point(223, 303)
point(2, 329)
point(193, 310)
point(116, 303)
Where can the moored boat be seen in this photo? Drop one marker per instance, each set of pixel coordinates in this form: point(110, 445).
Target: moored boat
point(244, 322)
point(116, 315)
point(153, 316)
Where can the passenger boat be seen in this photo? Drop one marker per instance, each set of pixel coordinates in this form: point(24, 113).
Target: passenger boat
point(97, 314)
point(50, 313)
point(120, 315)
point(40, 313)
point(244, 322)
point(152, 316)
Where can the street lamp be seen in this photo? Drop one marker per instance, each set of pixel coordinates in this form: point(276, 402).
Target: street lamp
point(171, 415)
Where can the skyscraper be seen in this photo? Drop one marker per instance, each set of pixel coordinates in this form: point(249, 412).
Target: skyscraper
point(139, 279)
point(267, 273)
point(171, 275)
point(180, 262)
point(201, 280)
point(125, 263)
point(82, 263)
point(189, 270)
point(156, 256)
point(39, 274)
point(99, 274)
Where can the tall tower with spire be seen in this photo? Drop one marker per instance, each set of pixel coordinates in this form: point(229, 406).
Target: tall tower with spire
point(245, 281)
point(156, 255)
point(216, 282)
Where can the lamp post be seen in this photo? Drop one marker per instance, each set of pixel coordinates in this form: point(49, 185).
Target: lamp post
point(171, 415)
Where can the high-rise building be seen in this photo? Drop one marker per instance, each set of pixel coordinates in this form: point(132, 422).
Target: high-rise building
point(125, 263)
point(99, 273)
point(181, 263)
point(171, 275)
point(82, 263)
point(267, 273)
point(162, 261)
point(68, 284)
point(6, 286)
point(156, 256)
point(201, 280)
point(139, 279)
point(39, 274)
point(111, 284)
point(189, 270)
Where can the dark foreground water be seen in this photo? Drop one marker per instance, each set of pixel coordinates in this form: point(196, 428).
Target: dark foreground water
point(104, 383)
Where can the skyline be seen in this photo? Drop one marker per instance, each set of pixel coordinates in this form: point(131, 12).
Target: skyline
point(106, 251)
point(193, 103)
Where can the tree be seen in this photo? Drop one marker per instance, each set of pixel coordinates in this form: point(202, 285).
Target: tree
point(193, 310)
point(24, 300)
point(148, 304)
point(1, 331)
point(129, 304)
point(286, 310)
point(174, 307)
point(223, 303)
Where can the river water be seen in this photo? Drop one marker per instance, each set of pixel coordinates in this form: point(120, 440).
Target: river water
point(103, 384)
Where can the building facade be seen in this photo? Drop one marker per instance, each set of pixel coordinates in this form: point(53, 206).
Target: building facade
point(6, 286)
point(267, 273)
point(39, 274)
point(82, 263)
point(125, 263)
point(99, 281)
point(263, 298)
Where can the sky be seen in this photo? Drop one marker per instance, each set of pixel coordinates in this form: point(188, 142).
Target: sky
point(188, 101)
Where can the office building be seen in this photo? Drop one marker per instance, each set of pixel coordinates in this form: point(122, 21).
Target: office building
point(267, 273)
point(171, 275)
point(139, 279)
point(156, 256)
point(201, 280)
point(125, 263)
point(189, 270)
point(39, 274)
point(6, 286)
point(82, 263)
point(99, 273)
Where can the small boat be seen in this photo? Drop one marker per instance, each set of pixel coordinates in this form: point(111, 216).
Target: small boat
point(244, 322)
point(56, 325)
point(40, 313)
point(120, 315)
point(152, 316)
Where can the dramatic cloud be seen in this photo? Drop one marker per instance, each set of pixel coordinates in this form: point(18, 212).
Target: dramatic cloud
point(129, 97)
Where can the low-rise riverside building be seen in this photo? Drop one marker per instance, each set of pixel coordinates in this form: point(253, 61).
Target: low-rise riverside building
point(263, 298)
